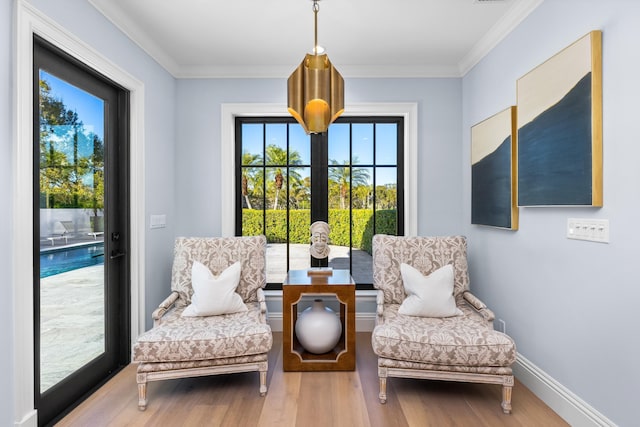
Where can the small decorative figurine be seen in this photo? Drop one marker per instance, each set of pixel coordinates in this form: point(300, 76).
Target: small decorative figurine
point(319, 240)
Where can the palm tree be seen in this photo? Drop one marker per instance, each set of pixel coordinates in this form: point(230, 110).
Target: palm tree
point(386, 196)
point(277, 157)
point(343, 175)
point(300, 193)
point(248, 174)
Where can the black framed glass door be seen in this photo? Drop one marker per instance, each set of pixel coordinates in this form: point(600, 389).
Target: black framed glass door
point(81, 229)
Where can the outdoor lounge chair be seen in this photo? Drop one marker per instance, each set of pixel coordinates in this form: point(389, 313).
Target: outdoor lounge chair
point(62, 230)
point(95, 234)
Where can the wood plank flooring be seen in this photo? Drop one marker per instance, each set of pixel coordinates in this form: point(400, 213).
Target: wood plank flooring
point(307, 399)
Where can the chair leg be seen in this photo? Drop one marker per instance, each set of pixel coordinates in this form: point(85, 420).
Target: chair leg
point(507, 387)
point(263, 378)
point(142, 391)
point(382, 374)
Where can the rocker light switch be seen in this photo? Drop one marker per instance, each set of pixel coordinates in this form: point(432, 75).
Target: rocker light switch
point(594, 230)
point(157, 221)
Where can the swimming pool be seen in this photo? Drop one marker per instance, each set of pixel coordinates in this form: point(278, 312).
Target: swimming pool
point(60, 260)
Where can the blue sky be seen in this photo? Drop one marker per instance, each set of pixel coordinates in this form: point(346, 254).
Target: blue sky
point(90, 109)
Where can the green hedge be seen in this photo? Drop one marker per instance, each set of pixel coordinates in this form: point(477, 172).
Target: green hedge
point(276, 221)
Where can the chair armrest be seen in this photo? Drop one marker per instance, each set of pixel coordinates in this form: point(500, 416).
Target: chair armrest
point(164, 306)
point(479, 306)
point(379, 306)
point(263, 304)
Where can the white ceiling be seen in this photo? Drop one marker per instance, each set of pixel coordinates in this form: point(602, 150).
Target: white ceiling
point(363, 38)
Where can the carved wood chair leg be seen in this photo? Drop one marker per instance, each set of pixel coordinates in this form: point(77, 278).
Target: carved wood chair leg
point(382, 374)
point(507, 387)
point(263, 381)
point(142, 391)
point(383, 390)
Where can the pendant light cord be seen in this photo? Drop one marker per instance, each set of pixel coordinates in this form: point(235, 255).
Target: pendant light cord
point(316, 7)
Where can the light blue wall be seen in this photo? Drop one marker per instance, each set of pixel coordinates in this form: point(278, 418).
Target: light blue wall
point(570, 305)
point(6, 220)
point(198, 144)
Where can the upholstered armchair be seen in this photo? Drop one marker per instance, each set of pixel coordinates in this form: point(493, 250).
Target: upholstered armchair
point(458, 344)
point(186, 340)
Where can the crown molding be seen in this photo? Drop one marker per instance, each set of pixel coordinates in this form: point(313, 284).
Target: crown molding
point(129, 27)
point(518, 12)
point(515, 15)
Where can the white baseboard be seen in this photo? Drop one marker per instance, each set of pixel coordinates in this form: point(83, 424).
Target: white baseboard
point(29, 420)
point(365, 322)
point(565, 403)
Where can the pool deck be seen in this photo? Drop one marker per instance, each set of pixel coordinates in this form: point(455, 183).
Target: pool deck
point(71, 312)
point(71, 321)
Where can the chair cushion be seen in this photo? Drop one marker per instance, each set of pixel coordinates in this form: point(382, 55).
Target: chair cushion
point(383, 362)
point(465, 340)
point(199, 364)
point(178, 338)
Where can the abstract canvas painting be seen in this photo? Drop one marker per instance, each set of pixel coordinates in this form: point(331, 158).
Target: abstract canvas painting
point(493, 171)
point(560, 128)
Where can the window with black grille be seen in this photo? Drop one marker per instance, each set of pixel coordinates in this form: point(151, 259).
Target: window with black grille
point(350, 176)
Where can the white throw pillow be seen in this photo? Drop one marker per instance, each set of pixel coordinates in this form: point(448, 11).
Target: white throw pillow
point(428, 296)
point(214, 295)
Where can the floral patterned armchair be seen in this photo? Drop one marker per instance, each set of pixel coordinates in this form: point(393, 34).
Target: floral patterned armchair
point(462, 347)
point(179, 346)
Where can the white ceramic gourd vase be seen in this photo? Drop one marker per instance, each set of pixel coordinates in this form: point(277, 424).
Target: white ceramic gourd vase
point(318, 328)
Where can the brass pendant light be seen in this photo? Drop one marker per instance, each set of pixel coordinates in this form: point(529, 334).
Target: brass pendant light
point(315, 90)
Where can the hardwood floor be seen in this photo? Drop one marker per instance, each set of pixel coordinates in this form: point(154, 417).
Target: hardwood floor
point(305, 399)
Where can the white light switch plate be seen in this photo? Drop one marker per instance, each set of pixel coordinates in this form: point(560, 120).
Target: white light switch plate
point(157, 221)
point(593, 230)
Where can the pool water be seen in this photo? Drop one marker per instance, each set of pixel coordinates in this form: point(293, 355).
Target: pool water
point(66, 259)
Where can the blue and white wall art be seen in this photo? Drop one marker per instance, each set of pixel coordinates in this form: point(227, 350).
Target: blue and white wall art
point(493, 162)
point(560, 128)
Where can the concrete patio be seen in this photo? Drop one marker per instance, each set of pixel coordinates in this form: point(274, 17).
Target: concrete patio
point(71, 322)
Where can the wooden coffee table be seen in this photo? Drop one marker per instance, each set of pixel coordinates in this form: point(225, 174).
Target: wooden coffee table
point(338, 285)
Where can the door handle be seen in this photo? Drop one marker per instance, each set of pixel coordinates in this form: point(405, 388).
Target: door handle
point(116, 254)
